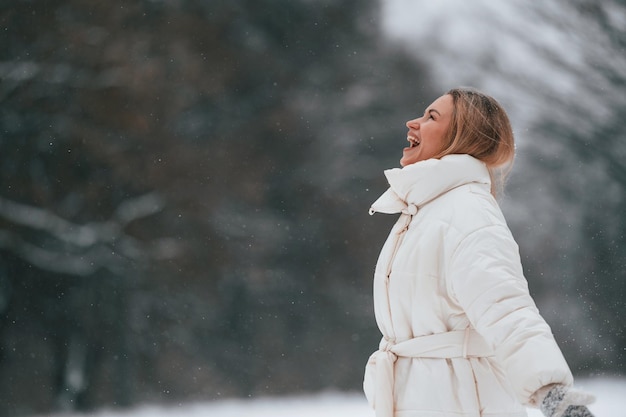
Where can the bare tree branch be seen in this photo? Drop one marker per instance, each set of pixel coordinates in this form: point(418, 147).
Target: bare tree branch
point(83, 249)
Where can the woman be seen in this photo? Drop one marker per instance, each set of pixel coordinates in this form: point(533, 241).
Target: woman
point(461, 334)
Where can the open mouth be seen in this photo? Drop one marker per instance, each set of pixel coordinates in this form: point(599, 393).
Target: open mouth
point(413, 142)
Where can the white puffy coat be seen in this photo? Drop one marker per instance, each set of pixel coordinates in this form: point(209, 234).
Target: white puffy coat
point(451, 267)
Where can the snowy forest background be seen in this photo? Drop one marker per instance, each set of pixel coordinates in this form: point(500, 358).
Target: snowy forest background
point(185, 184)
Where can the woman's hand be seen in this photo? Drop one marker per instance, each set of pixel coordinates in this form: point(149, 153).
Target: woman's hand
point(560, 401)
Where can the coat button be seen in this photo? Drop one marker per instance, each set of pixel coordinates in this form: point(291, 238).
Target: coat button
point(412, 209)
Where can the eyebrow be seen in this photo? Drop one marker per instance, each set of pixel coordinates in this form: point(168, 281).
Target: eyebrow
point(434, 110)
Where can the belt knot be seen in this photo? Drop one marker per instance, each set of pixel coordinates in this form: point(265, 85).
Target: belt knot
point(386, 344)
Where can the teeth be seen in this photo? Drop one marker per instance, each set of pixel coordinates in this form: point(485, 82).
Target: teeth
point(413, 141)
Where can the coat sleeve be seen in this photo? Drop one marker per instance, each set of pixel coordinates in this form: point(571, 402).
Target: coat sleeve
point(486, 280)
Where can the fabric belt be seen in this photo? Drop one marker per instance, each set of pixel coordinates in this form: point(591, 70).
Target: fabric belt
point(379, 372)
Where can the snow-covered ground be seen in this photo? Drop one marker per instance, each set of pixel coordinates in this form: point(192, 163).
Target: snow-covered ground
point(610, 393)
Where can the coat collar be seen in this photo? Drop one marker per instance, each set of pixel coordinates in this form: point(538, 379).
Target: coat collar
point(417, 184)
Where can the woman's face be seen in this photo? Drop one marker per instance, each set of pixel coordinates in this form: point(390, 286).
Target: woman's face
point(426, 134)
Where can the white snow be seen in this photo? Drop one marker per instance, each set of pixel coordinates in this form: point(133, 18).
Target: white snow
point(610, 394)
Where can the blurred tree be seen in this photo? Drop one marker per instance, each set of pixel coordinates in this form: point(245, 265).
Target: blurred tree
point(217, 157)
point(584, 117)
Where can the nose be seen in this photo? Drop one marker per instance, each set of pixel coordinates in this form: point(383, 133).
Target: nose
point(413, 124)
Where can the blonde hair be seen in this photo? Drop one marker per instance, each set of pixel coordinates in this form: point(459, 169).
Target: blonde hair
point(481, 128)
